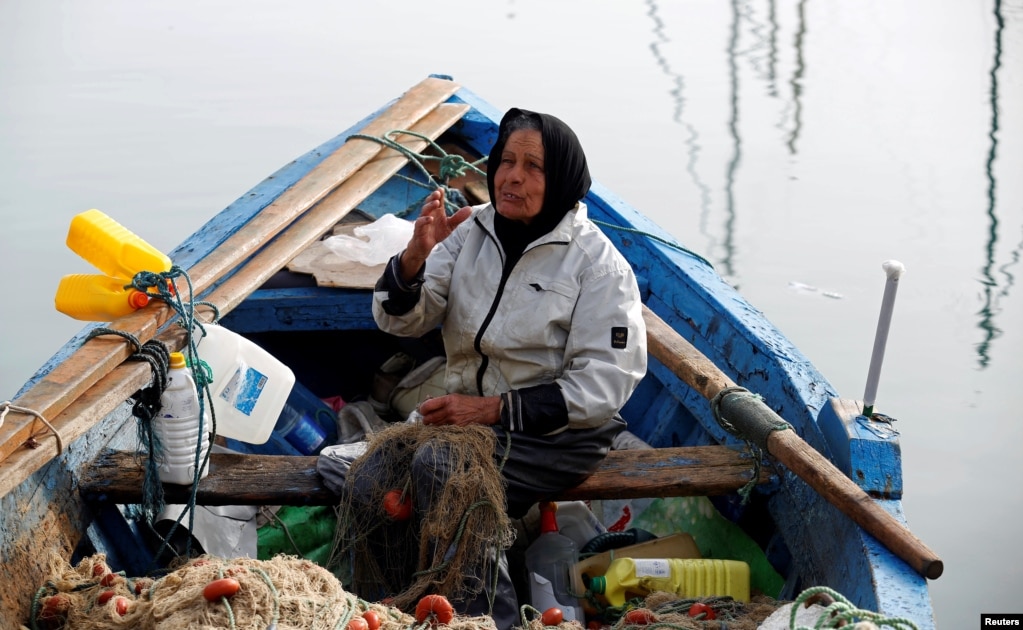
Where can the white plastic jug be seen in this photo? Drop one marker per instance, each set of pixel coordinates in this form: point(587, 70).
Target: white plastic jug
point(549, 562)
point(250, 386)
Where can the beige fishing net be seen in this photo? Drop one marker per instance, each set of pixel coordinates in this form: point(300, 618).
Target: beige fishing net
point(285, 592)
point(450, 550)
point(282, 594)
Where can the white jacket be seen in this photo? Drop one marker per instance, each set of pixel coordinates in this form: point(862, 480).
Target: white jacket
point(569, 313)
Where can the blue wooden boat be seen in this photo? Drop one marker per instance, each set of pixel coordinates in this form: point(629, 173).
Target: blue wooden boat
point(705, 338)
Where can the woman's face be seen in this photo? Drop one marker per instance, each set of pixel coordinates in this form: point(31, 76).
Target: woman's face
point(520, 181)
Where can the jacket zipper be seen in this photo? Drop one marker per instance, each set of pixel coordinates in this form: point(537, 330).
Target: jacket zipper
point(506, 270)
point(477, 343)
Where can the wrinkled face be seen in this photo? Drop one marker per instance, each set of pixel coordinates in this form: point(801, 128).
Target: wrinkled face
point(519, 181)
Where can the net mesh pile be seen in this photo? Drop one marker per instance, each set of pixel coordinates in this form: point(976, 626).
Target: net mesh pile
point(287, 591)
point(450, 550)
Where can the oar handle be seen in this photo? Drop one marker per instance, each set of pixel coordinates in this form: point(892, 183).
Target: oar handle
point(700, 373)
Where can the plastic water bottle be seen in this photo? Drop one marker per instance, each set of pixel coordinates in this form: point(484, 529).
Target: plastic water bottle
point(112, 248)
point(549, 563)
point(306, 421)
point(250, 386)
point(686, 577)
point(178, 428)
point(97, 298)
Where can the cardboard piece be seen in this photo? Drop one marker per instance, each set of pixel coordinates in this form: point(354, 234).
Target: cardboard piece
point(680, 545)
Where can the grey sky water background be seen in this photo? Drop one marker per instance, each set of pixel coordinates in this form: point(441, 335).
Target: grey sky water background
point(795, 144)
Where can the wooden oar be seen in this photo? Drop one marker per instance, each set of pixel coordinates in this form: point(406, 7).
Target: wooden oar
point(127, 378)
point(97, 357)
point(689, 364)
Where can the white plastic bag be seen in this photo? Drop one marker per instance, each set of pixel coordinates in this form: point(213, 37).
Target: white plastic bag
point(372, 244)
point(805, 617)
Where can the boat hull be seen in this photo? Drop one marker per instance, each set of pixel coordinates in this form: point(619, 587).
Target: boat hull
point(808, 540)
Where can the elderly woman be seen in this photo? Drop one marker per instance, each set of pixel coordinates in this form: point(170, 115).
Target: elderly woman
point(539, 313)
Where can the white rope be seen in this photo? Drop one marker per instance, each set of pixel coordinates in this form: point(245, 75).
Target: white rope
point(6, 406)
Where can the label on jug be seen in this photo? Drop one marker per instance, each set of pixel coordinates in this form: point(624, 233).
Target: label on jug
point(243, 389)
point(656, 568)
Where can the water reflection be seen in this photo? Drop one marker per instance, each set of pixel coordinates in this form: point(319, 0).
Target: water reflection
point(751, 47)
point(692, 135)
point(797, 78)
point(990, 306)
point(733, 130)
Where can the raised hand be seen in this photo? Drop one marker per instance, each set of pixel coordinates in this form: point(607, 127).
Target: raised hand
point(432, 227)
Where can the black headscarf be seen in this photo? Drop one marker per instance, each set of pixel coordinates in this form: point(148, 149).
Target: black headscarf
point(566, 173)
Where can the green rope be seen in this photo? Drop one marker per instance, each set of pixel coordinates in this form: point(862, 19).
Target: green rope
point(453, 165)
point(276, 596)
point(524, 615)
point(349, 613)
point(37, 604)
point(449, 166)
point(161, 286)
point(654, 237)
point(226, 601)
point(842, 612)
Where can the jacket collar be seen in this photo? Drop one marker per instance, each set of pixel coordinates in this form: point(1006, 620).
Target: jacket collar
point(563, 232)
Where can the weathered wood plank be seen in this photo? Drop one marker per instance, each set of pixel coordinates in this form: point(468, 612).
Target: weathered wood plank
point(237, 479)
point(668, 472)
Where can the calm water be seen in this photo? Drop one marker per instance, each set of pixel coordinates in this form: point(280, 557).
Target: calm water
point(795, 144)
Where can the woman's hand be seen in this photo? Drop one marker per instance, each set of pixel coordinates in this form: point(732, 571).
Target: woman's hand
point(432, 227)
point(461, 410)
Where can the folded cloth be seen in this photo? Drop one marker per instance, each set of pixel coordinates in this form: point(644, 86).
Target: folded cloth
point(333, 463)
point(355, 421)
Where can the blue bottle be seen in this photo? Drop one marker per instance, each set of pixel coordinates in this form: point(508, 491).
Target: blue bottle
point(306, 422)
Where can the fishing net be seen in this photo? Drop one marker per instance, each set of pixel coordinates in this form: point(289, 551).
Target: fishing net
point(729, 614)
point(285, 592)
point(449, 545)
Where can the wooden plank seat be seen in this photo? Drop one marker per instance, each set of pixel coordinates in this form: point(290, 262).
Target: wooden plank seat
point(238, 479)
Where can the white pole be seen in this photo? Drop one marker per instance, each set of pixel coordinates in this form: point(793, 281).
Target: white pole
point(892, 269)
